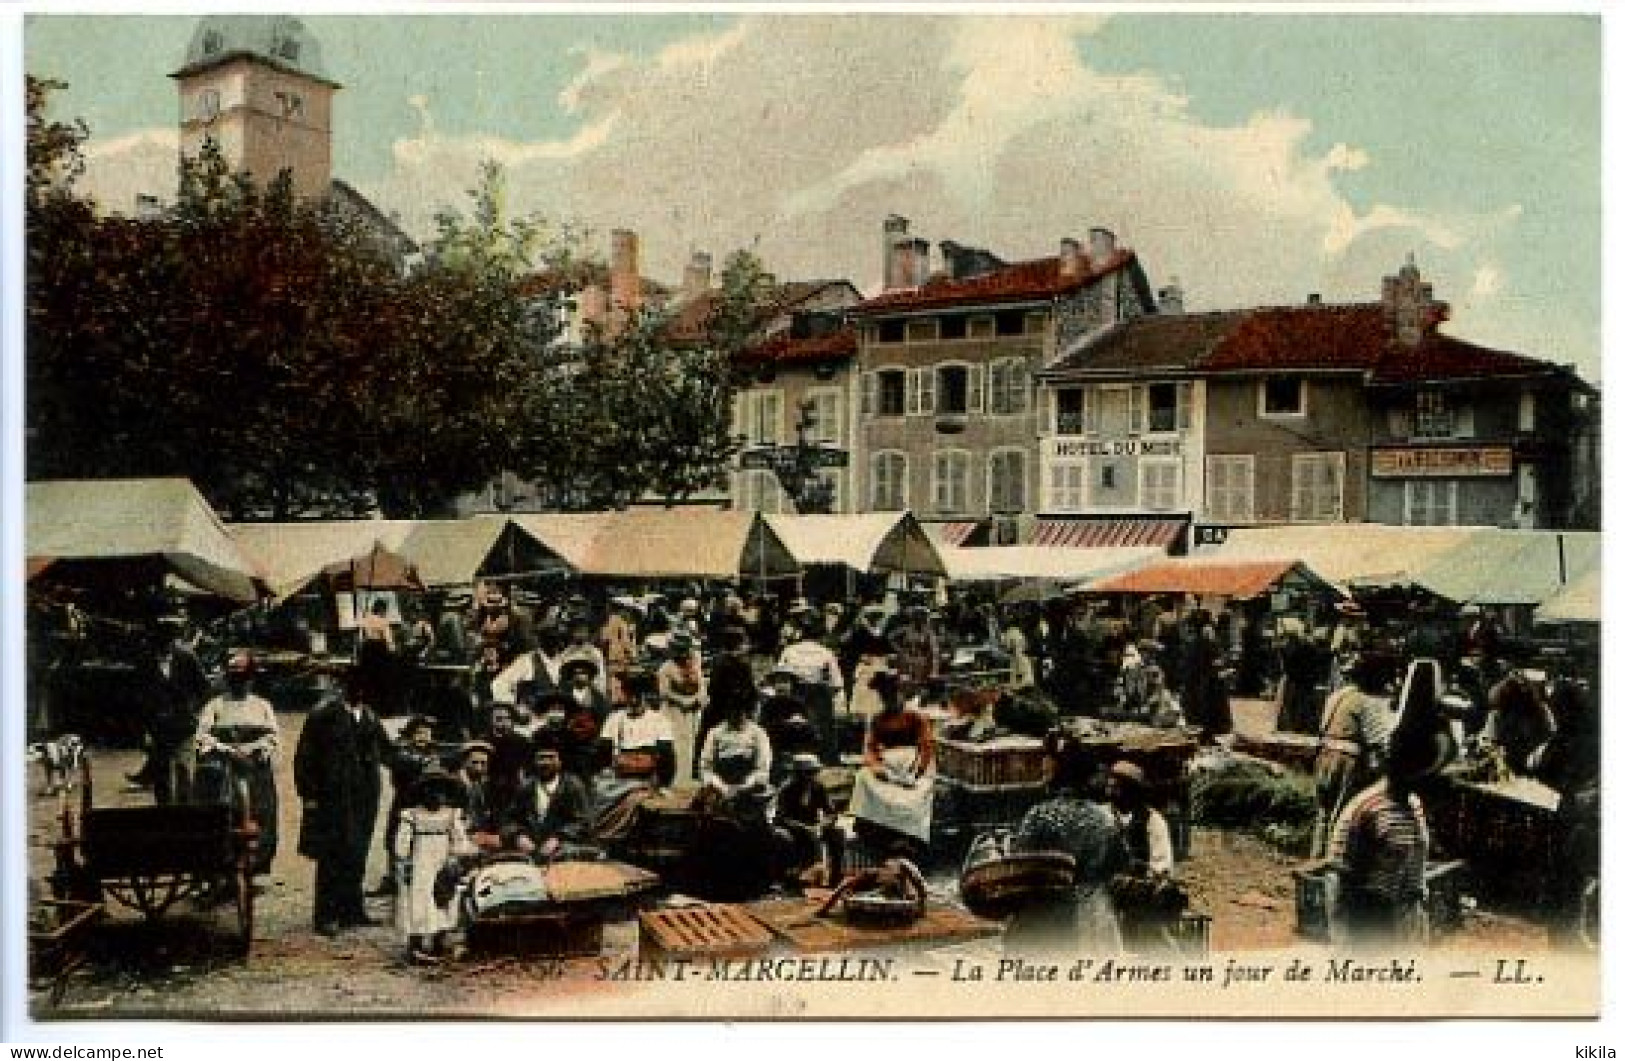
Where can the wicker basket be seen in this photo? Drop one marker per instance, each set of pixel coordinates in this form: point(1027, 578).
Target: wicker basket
point(1009, 761)
point(998, 886)
point(870, 908)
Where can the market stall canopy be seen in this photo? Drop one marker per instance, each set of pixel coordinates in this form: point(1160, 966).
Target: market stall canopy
point(377, 568)
point(1237, 579)
point(293, 554)
point(1057, 564)
point(1578, 602)
point(1511, 566)
point(879, 542)
point(664, 543)
point(77, 524)
point(1368, 554)
point(458, 552)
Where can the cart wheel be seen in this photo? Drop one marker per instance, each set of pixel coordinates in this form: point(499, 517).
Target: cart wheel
point(245, 907)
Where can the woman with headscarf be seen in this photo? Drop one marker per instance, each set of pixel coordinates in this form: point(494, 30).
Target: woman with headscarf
point(892, 792)
point(237, 742)
point(1068, 822)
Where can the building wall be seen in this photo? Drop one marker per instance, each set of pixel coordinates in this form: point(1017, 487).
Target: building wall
point(1335, 420)
point(793, 385)
point(921, 435)
point(1101, 465)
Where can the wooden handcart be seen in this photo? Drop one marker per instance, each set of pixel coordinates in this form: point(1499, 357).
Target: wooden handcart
point(151, 858)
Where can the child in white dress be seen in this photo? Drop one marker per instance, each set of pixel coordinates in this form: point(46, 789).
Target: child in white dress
point(433, 835)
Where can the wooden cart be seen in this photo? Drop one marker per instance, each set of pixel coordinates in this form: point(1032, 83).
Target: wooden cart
point(150, 858)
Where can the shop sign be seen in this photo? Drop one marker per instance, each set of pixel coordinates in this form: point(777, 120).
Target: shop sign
point(1441, 463)
point(1209, 534)
point(1117, 447)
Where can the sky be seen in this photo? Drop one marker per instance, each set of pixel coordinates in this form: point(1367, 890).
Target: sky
point(1253, 158)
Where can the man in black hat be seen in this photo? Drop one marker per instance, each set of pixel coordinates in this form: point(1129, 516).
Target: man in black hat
point(338, 771)
point(822, 685)
point(806, 815)
point(510, 757)
point(171, 689)
point(552, 811)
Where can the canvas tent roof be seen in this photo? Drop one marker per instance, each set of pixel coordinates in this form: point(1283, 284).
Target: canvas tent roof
point(1058, 563)
point(872, 542)
point(456, 552)
point(1240, 579)
point(1580, 601)
point(664, 543)
point(291, 554)
point(111, 520)
point(1511, 566)
point(378, 568)
point(1346, 553)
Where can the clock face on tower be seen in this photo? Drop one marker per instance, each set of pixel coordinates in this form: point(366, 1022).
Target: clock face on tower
point(208, 105)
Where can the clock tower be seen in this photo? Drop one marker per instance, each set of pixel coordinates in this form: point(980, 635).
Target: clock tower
point(255, 85)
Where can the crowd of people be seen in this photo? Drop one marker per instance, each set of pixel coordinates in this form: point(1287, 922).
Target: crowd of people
point(566, 718)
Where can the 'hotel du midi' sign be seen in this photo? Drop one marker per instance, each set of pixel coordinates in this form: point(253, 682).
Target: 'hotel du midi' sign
point(1452, 463)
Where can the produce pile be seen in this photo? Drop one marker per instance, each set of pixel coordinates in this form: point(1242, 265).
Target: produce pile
point(1277, 805)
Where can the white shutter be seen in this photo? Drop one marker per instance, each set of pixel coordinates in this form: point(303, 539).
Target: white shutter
point(1399, 422)
point(973, 390)
point(1182, 399)
point(911, 392)
point(1463, 422)
point(1018, 383)
point(928, 391)
point(737, 424)
point(1136, 410)
point(773, 417)
point(1091, 410)
point(870, 383)
point(998, 401)
point(939, 481)
point(1051, 410)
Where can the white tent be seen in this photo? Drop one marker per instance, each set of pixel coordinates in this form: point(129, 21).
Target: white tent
point(1578, 602)
point(161, 522)
point(1512, 566)
point(1371, 554)
point(1052, 563)
point(457, 552)
point(292, 554)
point(878, 542)
point(664, 543)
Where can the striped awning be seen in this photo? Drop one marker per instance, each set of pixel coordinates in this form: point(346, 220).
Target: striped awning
point(954, 534)
point(1109, 533)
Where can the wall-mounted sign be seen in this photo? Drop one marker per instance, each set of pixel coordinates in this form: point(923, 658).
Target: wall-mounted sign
point(1441, 463)
point(1209, 534)
point(1117, 447)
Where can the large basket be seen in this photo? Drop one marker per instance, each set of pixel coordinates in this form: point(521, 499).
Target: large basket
point(869, 908)
point(996, 881)
point(1006, 762)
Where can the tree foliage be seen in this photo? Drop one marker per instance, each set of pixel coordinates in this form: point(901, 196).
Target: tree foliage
point(267, 348)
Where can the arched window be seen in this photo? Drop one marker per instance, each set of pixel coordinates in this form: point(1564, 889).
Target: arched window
point(888, 481)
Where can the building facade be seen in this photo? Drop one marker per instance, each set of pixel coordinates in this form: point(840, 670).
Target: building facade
point(948, 417)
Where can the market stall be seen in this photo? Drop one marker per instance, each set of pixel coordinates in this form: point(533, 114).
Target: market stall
point(664, 543)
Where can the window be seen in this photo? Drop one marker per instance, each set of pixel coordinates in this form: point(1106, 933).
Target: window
point(1066, 487)
point(890, 332)
point(981, 327)
point(293, 104)
point(1069, 411)
point(1230, 489)
point(953, 389)
point(1159, 484)
point(1430, 503)
point(1168, 406)
point(759, 491)
point(1007, 481)
point(888, 482)
point(828, 414)
point(1436, 417)
point(922, 391)
point(1113, 416)
point(1283, 396)
point(289, 49)
point(1317, 488)
point(1007, 387)
point(208, 104)
point(1010, 322)
point(760, 416)
point(891, 392)
point(950, 480)
point(1108, 477)
point(953, 327)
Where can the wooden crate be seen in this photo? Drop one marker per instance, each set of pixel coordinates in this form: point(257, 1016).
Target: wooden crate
point(551, 935)
point(1007, 762)
point(709, 930)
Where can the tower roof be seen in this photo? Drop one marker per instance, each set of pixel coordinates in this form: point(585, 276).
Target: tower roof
point(281, 41)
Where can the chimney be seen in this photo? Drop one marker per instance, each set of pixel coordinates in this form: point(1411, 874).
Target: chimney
point(1171, 299)
point(1408, 305)
point(696, 275)
point(1102, 245)
point(919, 258)
point(893, 233)
point(625, 285)
point(1071, 259)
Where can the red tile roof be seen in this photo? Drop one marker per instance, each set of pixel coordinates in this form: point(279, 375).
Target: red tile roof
point(1241, 579)
point(1019, 282)
point(1350, 337)
point(1108, 533)
point(784, 350)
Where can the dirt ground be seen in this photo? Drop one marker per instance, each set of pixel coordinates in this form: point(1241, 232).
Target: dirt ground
point(183, 965)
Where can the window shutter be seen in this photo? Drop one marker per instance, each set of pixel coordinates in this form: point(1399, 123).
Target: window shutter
point(871, 393)
point(1051, 410)
point(928, 391)
point(737, 421)
point(1399, 422)
point(773, 417)
point(1019, 386)
point(1463, 421)
point(1182, 399)
point(1136, 410)
point(939, 481)
point(911, 391)
point(974, 389)
point(1091, 410)
point(998, 401)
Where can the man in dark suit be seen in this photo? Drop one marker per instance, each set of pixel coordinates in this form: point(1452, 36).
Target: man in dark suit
point(171, 688)
point(337, 770)
point(552, 812)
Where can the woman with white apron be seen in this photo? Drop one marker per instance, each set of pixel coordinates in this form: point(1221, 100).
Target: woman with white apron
point(892, 793)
